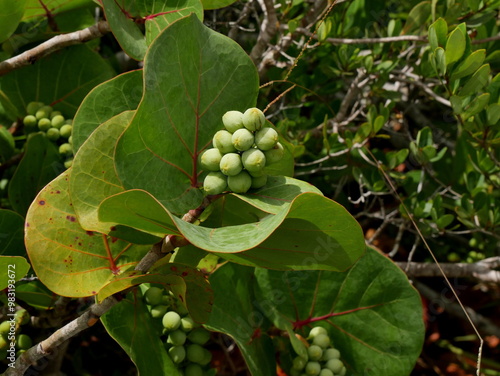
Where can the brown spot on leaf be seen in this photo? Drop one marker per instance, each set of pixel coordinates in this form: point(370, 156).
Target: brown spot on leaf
point(41, 202)
point(71, 218)
point(89, 233)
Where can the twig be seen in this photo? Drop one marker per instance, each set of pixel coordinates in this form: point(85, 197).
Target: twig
point(482, 324)
point(56, 43)
point(235, 26)
point(268, 30)
point(482, 270)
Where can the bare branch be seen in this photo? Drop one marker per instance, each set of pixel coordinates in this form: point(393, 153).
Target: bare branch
point(482, 270)
point(268, 30)
point(58, 42)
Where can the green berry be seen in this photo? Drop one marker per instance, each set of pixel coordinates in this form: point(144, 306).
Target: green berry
point(158, 311)
point(47, 109)
point(239, 183)
point(253, 160)
point(30, 121)
point(331, 354)
point(253, 119)
point(266, 138)
point(195, 353)
point(153, 295)
point(66, 130)
point(199, 336)
point(275, 154)
point(242, 139)
point(187, 324)
point(343, 371)
point(321, 340)
point(326, 372)
point(177, 353)
point(24, 342)
point(334, 365)
point(4, 327)
point(223, 141)
point(193, 369)
point(230, 164)
point(22, 317)
point(177, 338)
point(66, 149)
point(68, 163)
point(299, 363)
point(313, 368)
point(171, 321)
point(33, 107)
point(44, 124)
point(57, 121)
point(53, 134)
point(233, 120)
point(259, 182)
point(207, 357)
point(210, 159)
point(215, 183)
point(315, 352)
point(317, 330)
point(54, 114)
point(70, 140)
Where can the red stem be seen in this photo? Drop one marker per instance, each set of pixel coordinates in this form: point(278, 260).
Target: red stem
point(300, 323)
point(114, 269)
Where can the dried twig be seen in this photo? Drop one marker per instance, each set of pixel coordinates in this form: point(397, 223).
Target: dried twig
point(58, 42)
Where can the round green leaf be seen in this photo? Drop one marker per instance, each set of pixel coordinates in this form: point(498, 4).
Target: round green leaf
point(68, 259)
point(11, 15)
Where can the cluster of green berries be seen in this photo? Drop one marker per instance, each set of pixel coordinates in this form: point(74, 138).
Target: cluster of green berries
point(56, 127)
point(12, 342)
point(240, 152)
point(184, 339)
point(322, 360)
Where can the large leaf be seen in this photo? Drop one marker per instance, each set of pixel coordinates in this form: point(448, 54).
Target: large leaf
point(234, 314)
point(191, 73)
point(372, 313)
point(93, 177)
point(40, 164)
point(40, 8)
point(106, 100)
point(61, 79)
point(69, 260)
point(310, 231)
point(124, 18)
point(11, 233)
point(12, 12)
point(132, 326)
point(14, 267)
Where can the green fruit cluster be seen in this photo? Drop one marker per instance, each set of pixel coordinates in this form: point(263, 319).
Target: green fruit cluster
point(12, 342)
point(184, 339)
point(322, 358)
point(240, 152)
point(57, 128)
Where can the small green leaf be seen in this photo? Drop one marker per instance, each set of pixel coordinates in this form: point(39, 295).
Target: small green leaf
point(477, 105)
point(378, 123)
point(440, 61)
point(13, 269)
point(445, 221)
point(424, 137)
point(417, 17)
point(455, 46)
point(469, 65)
point(476, 82)
point(493, 114)
point(437, 34)
point(456, 104)
point(36, 294)
point(324, 29)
